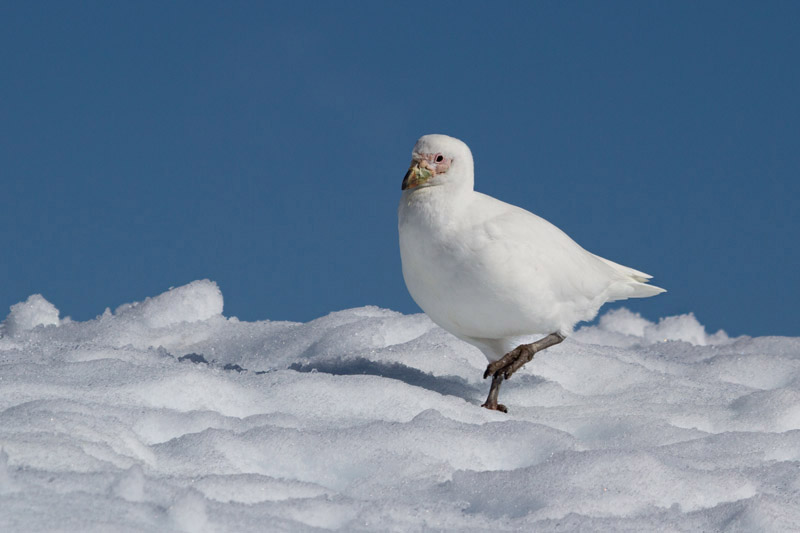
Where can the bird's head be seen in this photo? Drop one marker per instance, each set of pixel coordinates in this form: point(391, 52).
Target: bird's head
point(439, 160)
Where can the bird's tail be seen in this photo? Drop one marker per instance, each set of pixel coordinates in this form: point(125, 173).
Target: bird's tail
point(635, 286)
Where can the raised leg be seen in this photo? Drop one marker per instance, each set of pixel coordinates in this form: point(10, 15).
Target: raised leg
point(505, 367)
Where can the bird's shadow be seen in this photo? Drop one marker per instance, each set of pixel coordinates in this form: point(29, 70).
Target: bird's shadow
point(448, 385)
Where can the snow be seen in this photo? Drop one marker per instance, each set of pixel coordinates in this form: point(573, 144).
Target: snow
point(35, 311)
point(165, 415)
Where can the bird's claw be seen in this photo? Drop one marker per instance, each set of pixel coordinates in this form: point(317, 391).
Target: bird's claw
point(501, 363)
point(510, 362)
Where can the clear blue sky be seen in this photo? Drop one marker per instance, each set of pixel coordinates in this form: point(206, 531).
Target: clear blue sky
point(148, 144)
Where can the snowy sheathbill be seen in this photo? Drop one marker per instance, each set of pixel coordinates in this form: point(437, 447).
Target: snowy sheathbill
point(492, 273)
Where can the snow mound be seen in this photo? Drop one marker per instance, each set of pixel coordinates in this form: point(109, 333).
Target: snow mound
point(197, 301)
point(621, 327)
point(167, 416)
point(33, 312)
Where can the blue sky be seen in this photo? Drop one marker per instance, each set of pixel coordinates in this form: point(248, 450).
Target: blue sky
point(144, 145)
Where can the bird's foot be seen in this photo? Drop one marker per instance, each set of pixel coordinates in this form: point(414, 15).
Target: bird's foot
point(495, 407)
point(510, 362)
point(504, 367)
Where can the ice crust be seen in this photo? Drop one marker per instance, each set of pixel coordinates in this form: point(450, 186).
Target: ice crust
point(166, 415)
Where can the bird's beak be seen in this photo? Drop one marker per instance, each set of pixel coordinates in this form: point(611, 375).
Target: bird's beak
point(418, 173)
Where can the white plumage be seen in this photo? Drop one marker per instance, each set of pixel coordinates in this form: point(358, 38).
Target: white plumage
point(490, 272)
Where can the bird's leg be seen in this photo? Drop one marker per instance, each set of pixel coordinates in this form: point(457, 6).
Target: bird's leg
point(533, 349)
point(494, 391)
point(505, 367)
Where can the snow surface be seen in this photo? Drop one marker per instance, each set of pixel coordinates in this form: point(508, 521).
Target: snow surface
point(167, 416)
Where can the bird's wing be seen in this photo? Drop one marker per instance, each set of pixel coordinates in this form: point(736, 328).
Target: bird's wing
point(530, 251)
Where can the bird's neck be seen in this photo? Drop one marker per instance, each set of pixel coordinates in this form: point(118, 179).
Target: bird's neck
point(437, 205)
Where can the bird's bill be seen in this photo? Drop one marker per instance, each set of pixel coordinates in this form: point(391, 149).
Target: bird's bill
point(416, 175)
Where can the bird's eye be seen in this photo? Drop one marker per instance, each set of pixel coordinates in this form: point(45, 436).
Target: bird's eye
point(439, 158)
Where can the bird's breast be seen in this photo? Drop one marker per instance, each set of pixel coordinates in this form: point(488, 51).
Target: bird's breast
point(459, 282)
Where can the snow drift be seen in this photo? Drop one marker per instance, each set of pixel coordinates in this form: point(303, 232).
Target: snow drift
point(166, 415)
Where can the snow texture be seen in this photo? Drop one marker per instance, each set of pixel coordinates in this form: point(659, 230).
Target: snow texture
point(167, 416)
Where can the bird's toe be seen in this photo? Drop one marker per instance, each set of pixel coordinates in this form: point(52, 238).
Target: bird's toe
point(495, 407)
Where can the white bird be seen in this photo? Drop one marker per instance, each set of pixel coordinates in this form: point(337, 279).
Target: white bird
point(491, 273)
